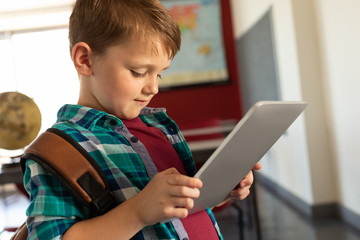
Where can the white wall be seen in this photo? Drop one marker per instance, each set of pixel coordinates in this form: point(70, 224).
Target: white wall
point(322, 171)
point(287, 163)
point(318, 53)
point(339, 35)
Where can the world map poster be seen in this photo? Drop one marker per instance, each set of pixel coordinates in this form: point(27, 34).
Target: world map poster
point(201, 58)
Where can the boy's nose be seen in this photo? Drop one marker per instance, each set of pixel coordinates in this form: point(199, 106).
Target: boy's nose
point(152, 86)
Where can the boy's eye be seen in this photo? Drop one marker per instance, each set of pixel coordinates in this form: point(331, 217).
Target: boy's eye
point(136, 74)
point(159, 76)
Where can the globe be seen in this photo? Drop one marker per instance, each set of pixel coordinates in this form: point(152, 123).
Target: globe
point(20, 120)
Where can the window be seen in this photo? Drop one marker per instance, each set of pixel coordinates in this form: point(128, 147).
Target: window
point(38, 64)
point(7, 73)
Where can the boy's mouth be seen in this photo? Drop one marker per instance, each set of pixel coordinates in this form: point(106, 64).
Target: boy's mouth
point(142, 101)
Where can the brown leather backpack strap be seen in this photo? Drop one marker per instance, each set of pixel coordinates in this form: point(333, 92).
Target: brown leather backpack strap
point(21, 233)
point(64, 158)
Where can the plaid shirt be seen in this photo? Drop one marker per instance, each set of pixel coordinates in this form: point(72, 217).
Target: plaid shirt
point(125, 162)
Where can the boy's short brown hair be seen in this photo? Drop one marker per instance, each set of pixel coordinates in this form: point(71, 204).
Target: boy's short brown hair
point(104, 23)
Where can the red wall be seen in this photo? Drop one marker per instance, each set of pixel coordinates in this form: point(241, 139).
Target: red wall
point(194, 104)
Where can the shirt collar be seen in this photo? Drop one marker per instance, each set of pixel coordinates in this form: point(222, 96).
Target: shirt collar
point(90, 117)
point(83, 116)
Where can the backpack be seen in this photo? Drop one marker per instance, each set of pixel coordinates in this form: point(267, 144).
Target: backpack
point(73, 166)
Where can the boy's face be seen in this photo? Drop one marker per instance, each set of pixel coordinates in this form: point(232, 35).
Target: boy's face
point(124, 79)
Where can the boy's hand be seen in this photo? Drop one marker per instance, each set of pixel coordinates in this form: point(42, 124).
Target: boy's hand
point(168, 195)
point(242, 190)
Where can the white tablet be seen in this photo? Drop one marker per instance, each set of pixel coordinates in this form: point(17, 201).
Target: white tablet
point(246, 144)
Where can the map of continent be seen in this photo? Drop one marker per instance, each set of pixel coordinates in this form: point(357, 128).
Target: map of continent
point(202, 55)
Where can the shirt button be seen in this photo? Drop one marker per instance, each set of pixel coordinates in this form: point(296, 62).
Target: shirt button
point(172, 131)
point(113, 122)
point(134, 139)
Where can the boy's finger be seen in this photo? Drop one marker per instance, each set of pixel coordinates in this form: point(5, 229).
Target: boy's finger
point(182, 180)
point(187, 192)
point(249, 177)
point(257, 166)
point(184, 203)
point(240, 193)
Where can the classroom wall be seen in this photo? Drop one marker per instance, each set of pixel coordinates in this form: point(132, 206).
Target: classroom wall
point(339, 35)
point(287, 163)
point(317, 49)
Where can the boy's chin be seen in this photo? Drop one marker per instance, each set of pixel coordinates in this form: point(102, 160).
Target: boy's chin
point(129, 116)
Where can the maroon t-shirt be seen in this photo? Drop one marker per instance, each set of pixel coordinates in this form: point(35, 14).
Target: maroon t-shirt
point(198, 225)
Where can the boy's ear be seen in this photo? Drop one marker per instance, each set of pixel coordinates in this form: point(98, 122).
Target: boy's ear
point(81, 55)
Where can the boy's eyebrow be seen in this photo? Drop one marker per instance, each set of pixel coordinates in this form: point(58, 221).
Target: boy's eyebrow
point(140, 65)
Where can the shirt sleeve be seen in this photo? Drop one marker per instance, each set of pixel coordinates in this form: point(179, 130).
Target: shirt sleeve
point(52, 210)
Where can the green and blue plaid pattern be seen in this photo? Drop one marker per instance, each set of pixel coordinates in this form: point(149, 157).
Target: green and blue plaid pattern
point(53, 210)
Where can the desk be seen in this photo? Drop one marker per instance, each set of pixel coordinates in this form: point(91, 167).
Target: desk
point(212, 136)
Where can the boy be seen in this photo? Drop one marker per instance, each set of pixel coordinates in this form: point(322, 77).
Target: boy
point(119, 49)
